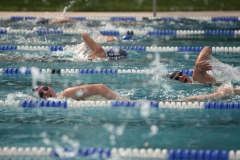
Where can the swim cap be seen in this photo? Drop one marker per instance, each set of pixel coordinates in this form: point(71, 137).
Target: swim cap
point(35, 88)
point(171, 75)
point(116, 53)
point(126, 37)
point(42, 21)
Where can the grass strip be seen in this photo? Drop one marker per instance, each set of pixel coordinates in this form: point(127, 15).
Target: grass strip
point(120, 5)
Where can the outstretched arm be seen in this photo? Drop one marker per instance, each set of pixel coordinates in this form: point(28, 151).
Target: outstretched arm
point(57, 21)
point(222, 93)
point(81, 92)
point(98, 51)
point(202, 65)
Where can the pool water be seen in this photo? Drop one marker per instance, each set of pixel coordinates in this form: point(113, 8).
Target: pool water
point(120, 127)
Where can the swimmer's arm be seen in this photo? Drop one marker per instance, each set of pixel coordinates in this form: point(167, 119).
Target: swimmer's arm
point(81, 92)
point(56, 21)
point(222, 93)
point(110, 39)
point(201, 97)
point(202, 63)
point(98, 51)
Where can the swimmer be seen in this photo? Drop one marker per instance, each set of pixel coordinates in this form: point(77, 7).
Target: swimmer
point(79, 92)
point(42, 20)
point(98, 52)
point(200, 75)
point(85, 91)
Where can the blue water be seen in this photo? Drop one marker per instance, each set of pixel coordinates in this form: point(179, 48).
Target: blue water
point(118, 127)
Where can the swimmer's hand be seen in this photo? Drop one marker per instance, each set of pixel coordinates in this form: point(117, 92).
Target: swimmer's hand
point(224, 91)
point(203, 65)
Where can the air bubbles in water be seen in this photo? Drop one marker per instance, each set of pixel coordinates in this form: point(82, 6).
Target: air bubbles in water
point(223, 72)
point(157, 67)
point(120, 130)
point(10, 97)
point(162, 116)
point(186, 56)
point(79, 93)
point(23, 70)
point(145, 110)
point(154, 130)
point(73, 143)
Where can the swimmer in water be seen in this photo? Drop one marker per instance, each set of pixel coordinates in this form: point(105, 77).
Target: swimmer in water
point(98, 52)
point(85, 91)
point(200, 75)
point(79, 92)
point(42, 20)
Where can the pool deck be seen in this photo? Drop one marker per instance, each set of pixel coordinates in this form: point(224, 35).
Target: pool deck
point(127, 14)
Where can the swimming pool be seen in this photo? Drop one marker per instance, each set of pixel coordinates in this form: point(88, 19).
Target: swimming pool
point(116, 128)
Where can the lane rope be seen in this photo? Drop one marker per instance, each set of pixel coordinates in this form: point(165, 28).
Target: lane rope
point(117, 103)
point(28, 71)
point(118, 18)
point(215, 49)
point(112, 153)
point(122, 32)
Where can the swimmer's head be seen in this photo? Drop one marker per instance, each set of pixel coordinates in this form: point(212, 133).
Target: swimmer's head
point(42, 21)
point(179, 76)
point(44, 92)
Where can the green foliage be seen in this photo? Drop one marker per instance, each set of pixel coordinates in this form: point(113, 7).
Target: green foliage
point(119, 5)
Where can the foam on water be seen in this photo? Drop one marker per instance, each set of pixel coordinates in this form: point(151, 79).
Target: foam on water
point(223, 72)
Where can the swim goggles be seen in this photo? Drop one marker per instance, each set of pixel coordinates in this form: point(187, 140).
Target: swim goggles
point(179, 74)
point(44, 88)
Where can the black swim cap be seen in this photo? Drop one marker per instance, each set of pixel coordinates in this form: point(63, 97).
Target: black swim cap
point(171, 75)
point(42, 21)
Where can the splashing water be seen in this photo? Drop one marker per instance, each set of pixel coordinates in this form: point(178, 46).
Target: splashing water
point(157, 67)
point(223, 72)
point(65, 9)
point(97, 37)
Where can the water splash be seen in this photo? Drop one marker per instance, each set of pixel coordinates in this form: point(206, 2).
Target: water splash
point(97, 37)
point(154, 131)
point(63, 15)
point(157, 67)
point(223, 72)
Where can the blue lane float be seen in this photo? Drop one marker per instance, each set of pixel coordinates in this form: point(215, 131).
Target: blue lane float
point(190, 49)
point(49, 32)
point(219, 32)
point(110, 32)
point(122, 18)
point(43, 103)
point(194, 154)
point(7, 48)
point(56, 48)
point(20, 18)
point(224, 19)
point(78, 18)
point(161, 32)
point(3, 31)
